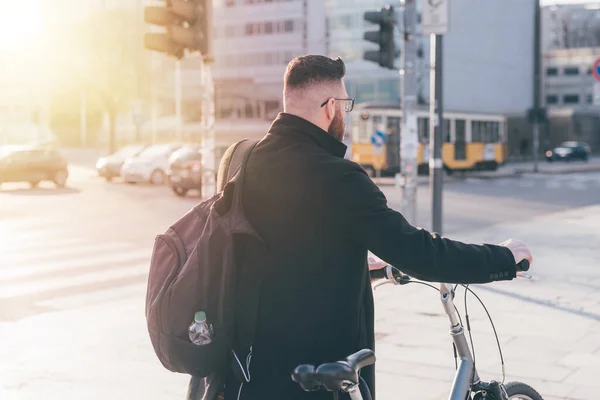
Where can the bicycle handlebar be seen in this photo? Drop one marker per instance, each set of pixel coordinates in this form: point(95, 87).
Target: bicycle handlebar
point(390, 274)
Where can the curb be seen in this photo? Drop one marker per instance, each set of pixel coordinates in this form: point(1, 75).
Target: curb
point(516, 173)
point(569, 170)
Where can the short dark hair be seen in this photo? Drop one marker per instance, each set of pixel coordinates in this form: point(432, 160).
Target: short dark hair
point(313, 69)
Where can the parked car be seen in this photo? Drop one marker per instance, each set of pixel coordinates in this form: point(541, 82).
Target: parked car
point(109, 167)
point(185, 170)
point(32, 164)
point(150, 165)
point(568, 151)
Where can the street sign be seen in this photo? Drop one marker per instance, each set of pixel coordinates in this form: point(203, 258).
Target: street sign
point(434, 17)
point(378, 139)
point(597, 93)
point(596, 69)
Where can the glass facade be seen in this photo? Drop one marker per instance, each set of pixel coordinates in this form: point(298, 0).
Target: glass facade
point(385, 90)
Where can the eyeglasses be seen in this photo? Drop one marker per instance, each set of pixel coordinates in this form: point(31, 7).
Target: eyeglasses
point(348, 106)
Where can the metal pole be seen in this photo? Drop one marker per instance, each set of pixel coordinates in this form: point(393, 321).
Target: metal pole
point(83, 120)
point(409, 138)
point(436, 133)
point(153, 109)
point(179, 122)
point(536, 85)
point(210, 162)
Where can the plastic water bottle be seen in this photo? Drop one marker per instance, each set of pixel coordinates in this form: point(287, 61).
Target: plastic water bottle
point(200, 331)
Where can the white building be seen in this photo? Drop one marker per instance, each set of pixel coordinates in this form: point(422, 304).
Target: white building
point(568, 80)
point(488, 66)
point(567, 26)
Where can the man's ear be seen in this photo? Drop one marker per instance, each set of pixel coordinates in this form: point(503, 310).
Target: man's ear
point(330, 109)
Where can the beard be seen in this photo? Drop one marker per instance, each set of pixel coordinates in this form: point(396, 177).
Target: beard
point(337, 128)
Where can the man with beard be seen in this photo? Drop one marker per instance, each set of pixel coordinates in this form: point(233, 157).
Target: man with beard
point(318, 215)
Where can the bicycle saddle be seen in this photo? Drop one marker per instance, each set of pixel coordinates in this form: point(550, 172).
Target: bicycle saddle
point(333, 376)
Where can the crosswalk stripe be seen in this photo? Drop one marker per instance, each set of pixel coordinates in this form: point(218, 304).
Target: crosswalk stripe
point(61, 252)
point(27, 234)
point(72, 265)
point(64, 283)
point(9, 245)
point(136, 290)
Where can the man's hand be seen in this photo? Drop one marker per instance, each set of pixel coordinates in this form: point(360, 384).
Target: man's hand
point(375, 263)
point(519, 249)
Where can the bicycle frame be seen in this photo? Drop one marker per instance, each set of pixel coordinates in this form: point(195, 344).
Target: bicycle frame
point(461, 385)
point(466, 380)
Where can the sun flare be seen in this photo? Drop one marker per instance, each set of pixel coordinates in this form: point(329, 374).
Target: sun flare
point(21, 24)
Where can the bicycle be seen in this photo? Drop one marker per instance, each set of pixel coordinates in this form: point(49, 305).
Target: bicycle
point(344, 375)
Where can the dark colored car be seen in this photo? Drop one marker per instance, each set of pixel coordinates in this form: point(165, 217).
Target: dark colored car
point(109, 167)
point(185, 170)
point(33, 165)
point(569, 151)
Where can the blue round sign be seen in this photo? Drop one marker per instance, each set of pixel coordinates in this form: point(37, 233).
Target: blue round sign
point(596, 69)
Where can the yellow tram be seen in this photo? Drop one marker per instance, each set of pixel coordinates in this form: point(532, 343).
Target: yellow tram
point(472, 141)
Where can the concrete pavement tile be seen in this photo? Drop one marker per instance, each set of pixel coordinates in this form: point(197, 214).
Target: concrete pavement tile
point(417, 355)
point(396, 386)
point(88, 360)
point(581, 360)
point(585, 393)
point(416, 369)
point(537, 369)
point(585, 376)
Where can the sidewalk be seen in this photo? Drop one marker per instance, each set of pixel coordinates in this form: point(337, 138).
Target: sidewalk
point(511, 170)
point(549, 329)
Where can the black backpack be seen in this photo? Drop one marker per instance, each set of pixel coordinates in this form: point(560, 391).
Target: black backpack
point(193, 268)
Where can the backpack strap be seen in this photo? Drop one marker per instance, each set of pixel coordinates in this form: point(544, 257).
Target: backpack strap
point(239, 174)
point(232, 160)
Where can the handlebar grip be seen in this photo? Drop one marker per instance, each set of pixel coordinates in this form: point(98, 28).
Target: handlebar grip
point(523, 266)
point(377, 273)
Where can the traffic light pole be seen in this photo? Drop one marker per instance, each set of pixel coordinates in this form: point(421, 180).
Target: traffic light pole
point(177, 85)
point(436, 132)
point(409, 139)
point(536, 86)
point(208, 132)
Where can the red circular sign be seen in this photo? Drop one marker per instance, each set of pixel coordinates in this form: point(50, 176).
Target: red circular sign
point(596, 69)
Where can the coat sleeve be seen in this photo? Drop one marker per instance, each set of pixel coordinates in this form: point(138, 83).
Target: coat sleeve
point(364, 216)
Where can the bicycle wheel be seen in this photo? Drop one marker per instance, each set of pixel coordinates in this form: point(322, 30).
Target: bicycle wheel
point(521, 391)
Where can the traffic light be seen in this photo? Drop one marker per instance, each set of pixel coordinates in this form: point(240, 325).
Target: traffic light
point(388, 51)
point(189, 26)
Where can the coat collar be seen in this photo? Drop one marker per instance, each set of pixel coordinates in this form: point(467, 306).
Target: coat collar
point(285, 123)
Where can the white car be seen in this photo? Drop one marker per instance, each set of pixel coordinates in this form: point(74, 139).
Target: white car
point(150, 165)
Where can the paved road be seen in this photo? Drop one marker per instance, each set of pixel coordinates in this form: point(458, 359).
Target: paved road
point(476, 203)
point(73, 267)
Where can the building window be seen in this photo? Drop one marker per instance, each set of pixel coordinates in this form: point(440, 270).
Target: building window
point(571, 99)
point(552, 71)
point(268, 27)
point(249, 29)
point(287, 57)
point(552, 99)
point(288, 25)
point(590, 99)
point(571, 71)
